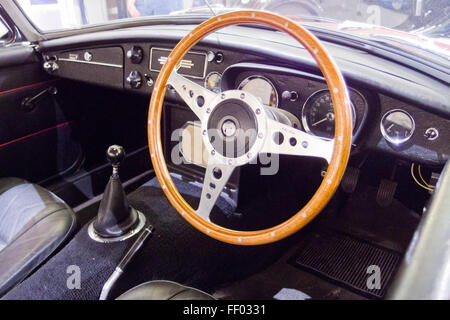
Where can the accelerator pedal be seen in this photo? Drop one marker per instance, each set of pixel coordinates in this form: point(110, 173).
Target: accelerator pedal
point(386, 192)
point(350, 179)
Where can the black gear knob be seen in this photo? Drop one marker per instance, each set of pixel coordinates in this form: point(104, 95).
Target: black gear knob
point(115, 155)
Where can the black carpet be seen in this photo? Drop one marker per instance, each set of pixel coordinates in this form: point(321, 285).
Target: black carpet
point(176, 251)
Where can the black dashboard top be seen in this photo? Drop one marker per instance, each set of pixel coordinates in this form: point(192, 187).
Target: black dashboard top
point(356, 65)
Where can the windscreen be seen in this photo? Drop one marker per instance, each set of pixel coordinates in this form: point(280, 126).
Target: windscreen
point(409, 22)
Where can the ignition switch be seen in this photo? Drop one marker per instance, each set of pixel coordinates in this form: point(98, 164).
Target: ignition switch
point(135, 54)
point(134, 80)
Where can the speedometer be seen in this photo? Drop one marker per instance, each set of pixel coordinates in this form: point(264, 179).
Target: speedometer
point(262, 89)
point(318, 115)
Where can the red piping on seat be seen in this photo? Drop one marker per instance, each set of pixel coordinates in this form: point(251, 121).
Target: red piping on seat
point(35, 133)
point(28, 86)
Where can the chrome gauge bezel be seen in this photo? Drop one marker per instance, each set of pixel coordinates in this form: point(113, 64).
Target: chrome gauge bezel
point(304, 116)
point(252, 77)
point(207, 77)
point(386, 136)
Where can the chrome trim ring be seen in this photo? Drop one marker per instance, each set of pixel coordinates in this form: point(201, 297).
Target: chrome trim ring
point(385, 134)
point(304, 120)
point(94, 236)
point(248, 79)
point(205, 83)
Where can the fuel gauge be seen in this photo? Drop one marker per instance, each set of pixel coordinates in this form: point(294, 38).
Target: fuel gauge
point(397, 126)
point(212, 82)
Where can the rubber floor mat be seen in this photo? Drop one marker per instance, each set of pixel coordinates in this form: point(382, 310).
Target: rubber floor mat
point(349, 262)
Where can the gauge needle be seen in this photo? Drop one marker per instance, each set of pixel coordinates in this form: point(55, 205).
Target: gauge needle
point(319, 122)
point(390, 127)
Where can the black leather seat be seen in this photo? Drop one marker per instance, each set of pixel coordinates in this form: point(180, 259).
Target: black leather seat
point(33, 223)
point(164, 290)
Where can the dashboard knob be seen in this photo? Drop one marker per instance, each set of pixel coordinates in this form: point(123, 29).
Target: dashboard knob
point(149, 80)
point(431, 134)
point(134, 80)
point(135, 54)
point(219, 57)
point(211, 56)
point(50, 66)
point(289, 95)
point(88, 56)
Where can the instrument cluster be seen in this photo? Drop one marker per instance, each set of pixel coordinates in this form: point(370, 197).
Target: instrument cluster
point(379, 122)
point(309, 100)
point(383, 121)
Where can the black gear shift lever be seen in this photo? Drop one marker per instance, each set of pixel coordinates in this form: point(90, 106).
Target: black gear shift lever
point(116, 219)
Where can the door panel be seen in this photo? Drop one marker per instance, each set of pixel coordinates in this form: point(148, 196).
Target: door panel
point(37, 141)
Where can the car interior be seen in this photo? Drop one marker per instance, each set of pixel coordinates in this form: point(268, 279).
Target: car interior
point(241, 156)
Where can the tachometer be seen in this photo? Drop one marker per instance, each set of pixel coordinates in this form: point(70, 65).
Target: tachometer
point(397, 126)
point(318, 115)
point(261, 88)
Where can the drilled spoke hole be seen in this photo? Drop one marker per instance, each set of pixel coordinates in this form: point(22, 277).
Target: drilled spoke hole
point(217, 173)
point(278, 138)
point(293, 142)
point(212, 185)
point(200, 101)
point(208, 196)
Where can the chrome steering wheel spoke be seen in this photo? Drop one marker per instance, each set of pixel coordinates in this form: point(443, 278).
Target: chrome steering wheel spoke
point(216, 177)
point(284, 139)
point(194, 95)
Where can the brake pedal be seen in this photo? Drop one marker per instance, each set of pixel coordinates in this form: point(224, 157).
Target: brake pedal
point(386, 192)
point(350, 179)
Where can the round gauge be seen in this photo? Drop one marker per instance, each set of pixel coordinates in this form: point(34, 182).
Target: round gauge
point(397, 126)
point(261, 88)
point(318, 115)
point(212, 82)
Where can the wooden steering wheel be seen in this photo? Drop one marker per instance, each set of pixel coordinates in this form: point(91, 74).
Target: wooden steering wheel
point(205, 104)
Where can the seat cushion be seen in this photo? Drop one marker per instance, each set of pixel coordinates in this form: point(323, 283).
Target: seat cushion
point(33, 223)
point(164, 290)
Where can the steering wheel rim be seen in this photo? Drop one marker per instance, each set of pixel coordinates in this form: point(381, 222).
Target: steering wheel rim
point(341, 144)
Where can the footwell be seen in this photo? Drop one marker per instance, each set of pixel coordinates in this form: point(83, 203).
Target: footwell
point(176, 252)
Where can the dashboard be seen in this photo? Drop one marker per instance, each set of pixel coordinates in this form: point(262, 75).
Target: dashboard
point(393, 122)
